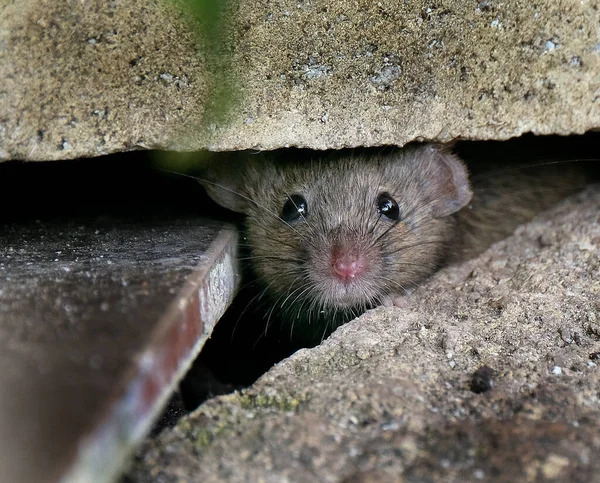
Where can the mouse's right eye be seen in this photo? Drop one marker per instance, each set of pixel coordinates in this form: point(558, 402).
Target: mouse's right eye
point(294, 208)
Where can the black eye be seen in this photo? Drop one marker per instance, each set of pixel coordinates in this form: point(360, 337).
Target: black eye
point(294, 208)
point(387, 206)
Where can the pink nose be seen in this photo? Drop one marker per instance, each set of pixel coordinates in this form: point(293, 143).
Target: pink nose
point(347, 268)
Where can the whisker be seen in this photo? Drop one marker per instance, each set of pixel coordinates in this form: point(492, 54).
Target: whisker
point(392, 282)
point(229, 190)
point(306, 288)
point(271, 257)
point(394, 225)
point(293, 292)
point(417, 244)
point(296, 206)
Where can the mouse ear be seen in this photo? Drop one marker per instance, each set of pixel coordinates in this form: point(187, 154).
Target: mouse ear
point(223, 181)
point(447, 183)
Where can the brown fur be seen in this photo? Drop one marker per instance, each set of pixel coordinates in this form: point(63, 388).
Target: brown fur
point(506, 197)
point(430, 186)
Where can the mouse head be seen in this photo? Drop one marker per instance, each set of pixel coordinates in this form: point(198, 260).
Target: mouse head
point(345, 230)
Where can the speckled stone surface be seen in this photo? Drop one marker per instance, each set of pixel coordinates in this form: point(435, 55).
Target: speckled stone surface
point(87, 78)
point(490, 373)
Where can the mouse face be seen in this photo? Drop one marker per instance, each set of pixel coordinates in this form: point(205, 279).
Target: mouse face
point(343, 231)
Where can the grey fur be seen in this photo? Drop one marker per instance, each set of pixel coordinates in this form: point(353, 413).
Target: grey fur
point(441, 219)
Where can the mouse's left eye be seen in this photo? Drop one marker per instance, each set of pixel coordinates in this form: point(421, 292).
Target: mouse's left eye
point(387, 206)
point(294, 208)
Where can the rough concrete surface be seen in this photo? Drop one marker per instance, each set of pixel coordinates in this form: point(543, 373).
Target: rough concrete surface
point(89, 78)
point(490, 373)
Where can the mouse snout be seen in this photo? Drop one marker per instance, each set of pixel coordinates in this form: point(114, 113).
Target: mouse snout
point(346, 266)
point(348, 263)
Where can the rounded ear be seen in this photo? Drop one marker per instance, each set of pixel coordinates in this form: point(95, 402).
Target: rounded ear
point(223, 180)
point(447, 184)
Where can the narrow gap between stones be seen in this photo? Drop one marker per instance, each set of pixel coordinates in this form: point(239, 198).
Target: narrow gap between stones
point(129, 184)
point(242, 348)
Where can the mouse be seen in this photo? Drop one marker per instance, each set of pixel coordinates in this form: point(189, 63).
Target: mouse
point(332, 234)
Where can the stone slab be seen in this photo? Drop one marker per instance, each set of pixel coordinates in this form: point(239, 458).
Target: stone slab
point(89, 78)
point(100, 315)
